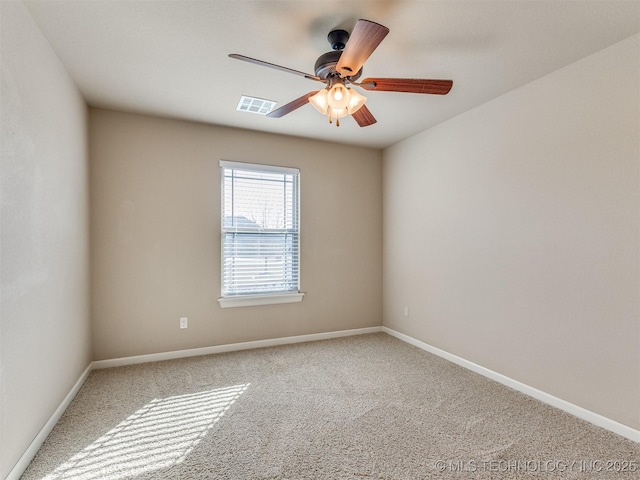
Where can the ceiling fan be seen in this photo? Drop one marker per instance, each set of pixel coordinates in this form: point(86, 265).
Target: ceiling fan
point(343, 67)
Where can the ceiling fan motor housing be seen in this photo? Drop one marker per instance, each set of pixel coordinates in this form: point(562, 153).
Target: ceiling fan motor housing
point(325, 66)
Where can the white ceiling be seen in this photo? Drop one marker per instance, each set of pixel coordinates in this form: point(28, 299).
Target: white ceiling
point(169, 58)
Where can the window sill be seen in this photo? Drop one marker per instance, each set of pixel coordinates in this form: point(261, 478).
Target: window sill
point(255, 300)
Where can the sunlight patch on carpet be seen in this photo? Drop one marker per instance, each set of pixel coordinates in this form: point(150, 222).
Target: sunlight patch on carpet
point(159, 435)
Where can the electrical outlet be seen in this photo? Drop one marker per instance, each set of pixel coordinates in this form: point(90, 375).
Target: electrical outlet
point(406, 312)
point(184, 322)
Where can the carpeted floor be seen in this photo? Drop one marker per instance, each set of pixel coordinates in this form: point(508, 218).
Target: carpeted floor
point(364, 407)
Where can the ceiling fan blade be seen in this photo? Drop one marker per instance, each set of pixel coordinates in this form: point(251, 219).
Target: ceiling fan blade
point(291, 106)
point(364, 39)
point(364, 117)
point(273, 65)
point(409, 85)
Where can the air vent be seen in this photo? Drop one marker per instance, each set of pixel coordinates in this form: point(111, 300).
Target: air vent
point(255, 105)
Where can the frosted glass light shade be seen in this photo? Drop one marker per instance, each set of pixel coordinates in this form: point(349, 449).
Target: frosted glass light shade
point(337, 112)
point(320, 101)
point(339, 96)
point(356, 101)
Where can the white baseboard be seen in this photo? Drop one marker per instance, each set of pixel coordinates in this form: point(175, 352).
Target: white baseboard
point(232, 347)
point(583, 413)
point(19, 468)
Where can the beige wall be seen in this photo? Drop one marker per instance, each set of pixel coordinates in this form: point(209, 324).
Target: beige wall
point(155, 233)
point(512, 234)
point(44, 321)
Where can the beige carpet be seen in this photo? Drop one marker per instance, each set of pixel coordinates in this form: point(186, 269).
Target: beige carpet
point(365, 407)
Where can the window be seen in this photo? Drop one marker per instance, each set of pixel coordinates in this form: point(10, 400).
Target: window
point(260, 234)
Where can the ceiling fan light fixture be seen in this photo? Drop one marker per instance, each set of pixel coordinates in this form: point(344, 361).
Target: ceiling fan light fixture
point(350, 102)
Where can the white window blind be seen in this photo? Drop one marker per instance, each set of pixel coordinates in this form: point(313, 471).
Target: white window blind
point(260, 229)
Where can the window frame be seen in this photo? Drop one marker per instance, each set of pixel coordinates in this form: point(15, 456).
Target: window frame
point(255, 299)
